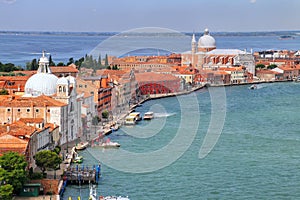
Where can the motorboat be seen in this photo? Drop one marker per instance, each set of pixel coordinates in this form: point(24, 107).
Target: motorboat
point(93, 193)
point(77, 159)
point(148, 115)
point(109, 144)
point(114, 198)
point(136, 115)
point(130, 120)
point(253, 87)
point(81, 146)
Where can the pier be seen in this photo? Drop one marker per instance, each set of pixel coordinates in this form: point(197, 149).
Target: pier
point(81, 174)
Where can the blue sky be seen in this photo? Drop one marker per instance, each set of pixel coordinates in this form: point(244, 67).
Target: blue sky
point(122, 15)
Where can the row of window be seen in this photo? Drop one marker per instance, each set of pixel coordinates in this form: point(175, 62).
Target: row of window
point(27, 110)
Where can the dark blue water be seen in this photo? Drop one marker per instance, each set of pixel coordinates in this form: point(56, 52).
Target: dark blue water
point(256, 157)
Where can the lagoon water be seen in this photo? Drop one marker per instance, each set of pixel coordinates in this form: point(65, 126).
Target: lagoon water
point(256, 157)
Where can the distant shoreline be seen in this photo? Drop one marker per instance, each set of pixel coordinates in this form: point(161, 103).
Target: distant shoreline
point(112, 33)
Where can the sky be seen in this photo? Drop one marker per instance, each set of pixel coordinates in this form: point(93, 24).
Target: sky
point(124, 15)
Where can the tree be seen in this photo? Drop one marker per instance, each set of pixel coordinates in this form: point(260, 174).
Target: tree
point(71, 61)
point(6, 192)
point(3, 92)
point(51, 63)
point(105, 114)
point(60, 64)
point(99, 61)
point(106, 61)
point(272, 66)
point(260, 66)
point(47, 159)
point(12, 171)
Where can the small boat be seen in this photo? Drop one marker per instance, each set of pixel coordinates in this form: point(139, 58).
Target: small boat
point(78, 160)
point(81, 146)
point(253, 87)
point(297, 79)
point(130, 120)
point(148, 115)
point(137, 116)
point(93, 193)
point(286, 37)
point(109, 144)
point(114, 198)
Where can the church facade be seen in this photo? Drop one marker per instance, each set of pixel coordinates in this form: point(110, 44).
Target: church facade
point(205, 55)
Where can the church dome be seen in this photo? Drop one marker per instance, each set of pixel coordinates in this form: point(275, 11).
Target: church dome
point(62, 81)
point(206, 41)
point(43, 82)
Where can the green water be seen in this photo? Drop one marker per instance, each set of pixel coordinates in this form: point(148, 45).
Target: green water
point(256, 157)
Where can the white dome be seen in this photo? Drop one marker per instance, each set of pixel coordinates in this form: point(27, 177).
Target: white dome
point(41, 83)
point(206, 41)
point(72, 80)
point(62, 81)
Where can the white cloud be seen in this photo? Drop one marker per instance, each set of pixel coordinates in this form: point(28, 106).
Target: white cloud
point(252, 1)
point(8, 1)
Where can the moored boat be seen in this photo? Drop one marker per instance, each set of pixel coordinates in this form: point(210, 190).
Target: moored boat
point(81, 146)
point(148, 115)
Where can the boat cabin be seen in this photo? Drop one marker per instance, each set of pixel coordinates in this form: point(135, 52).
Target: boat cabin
point(130, 120)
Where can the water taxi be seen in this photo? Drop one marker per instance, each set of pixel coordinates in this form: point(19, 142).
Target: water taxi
point(136, 115)
point(130, 120)
point(148, 115)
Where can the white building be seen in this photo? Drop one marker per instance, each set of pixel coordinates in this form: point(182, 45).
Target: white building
point(60, 89)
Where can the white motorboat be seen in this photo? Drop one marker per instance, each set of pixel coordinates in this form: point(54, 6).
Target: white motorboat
point(130, 120)
point(114, 198)
point(93, 193)
point(136, 115)
point(148, 115)
point(253, 87)
point(109, 144)
point(81, 146)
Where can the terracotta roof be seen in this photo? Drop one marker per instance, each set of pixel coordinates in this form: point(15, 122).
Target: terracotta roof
point(40, 101)
point(12, 143)
point(266, 72)
point(63, 69)
point(154, 77)
point(32, 120)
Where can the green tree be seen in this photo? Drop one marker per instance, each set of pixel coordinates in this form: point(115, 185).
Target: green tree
point(100, 61)
point(3, 92)
point(51, 63)
point(95, 120)
point(47, 159)
point(71, 61)
point(12, 170)
point(106, 61)
point(105, 114)
point(6, 192)
point(260, 66)
point(61, 64)
point(272, 66)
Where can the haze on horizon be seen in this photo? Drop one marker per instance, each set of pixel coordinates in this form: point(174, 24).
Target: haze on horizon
point(123, 15)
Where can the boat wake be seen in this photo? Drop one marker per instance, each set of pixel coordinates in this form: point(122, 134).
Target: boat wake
point(158, 115)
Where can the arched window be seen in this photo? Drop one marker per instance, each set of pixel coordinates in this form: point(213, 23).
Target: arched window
point(59, 89)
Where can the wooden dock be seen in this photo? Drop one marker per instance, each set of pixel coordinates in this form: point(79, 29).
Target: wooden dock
point(82, 174)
